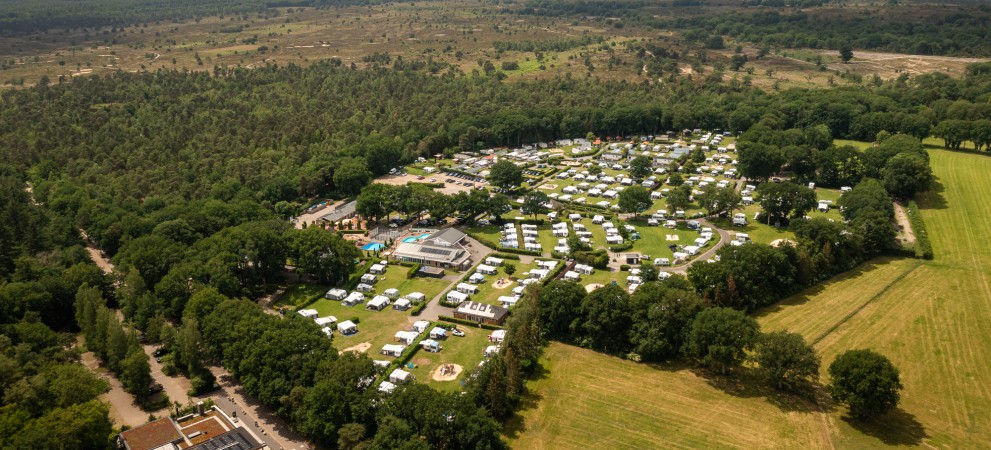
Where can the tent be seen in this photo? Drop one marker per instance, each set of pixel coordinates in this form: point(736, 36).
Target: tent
point(347, 327)
point(378, 303)
point(400, 376)
point(416, 296)
point(421, 325)
point(402, 304)
point(391, 293)
point(406, 337)
point(394, 350)
point(387, 387)
point(353, 299)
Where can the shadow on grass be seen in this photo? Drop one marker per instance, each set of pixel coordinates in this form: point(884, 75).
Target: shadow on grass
point(897, 427)
point(933, 198)
point(745, 382)
point(807, 294)
point(515, 425)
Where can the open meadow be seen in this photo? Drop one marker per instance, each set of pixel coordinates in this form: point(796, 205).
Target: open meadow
point(928, 317)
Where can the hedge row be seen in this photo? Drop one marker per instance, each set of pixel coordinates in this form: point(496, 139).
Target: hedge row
point(418, 309)
point(356, 279)
point(923, 247)
point(469, 323)
point(493, 245)
point(361, 232)
point(506, 256)
point(621, 247)
point(413, 270)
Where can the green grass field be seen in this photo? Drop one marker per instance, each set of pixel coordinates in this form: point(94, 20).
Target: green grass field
point(464, 351)
point(929, 317)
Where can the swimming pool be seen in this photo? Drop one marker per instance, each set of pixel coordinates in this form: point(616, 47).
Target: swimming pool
point(373, 246)
point(415, 238)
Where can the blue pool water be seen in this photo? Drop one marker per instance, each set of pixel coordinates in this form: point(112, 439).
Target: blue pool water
point(415, 238)
point(373, 246)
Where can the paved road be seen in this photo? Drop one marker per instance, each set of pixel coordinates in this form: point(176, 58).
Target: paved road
point(123, 410)
point(177, 387)
point(258, 418)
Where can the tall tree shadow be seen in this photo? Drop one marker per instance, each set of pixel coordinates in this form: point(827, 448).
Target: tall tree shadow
point(745, 382)
point(515, 425)
point(897, 427)
point(933, 198)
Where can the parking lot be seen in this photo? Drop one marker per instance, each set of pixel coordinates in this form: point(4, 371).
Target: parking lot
point(452, 187)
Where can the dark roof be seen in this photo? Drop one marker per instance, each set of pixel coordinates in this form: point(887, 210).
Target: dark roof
point(431, 270)
point(449, 236)
point(151, 435)
point(341, 212)
point(236, 439)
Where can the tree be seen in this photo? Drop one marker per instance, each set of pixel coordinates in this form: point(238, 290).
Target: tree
point(497, 205)
point(322, 255)
point(635, 199)
point(534, 202)
point(875, 158)
point(759, 161)
point(787, 360)
point(787, 200)
point(720, 337)
point(866, 381)
point(510, 269)
point(351, 175)
point(375, 201)
point(135, 372)
point(846, 53)
point(606, 319)
point(719, 201)
point(641, 167)
point(662, 315)
point(679, 198)
point(560, 308)
point(906, 174)
point(506, 175)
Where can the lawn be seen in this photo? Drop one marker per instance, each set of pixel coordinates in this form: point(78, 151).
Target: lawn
point(758, 231)
point(490, 295)
point(299, 294)
point(929, 318)
point(464, 351)
point(395, 277)
point(654, 240)
point(375, 327)
point(584, 399)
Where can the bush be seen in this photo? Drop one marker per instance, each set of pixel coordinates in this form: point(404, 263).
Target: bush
point(418, 309)
point(624, 268)
point(923, 247)
point(621, 247)
point(355, 319)
point(469, 323)
point(413, 270)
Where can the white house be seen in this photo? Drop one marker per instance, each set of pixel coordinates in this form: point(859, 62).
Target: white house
point(400, 376)
point(497, 336)
point(326, 320)
point(431, 345)
point(455, 296)
point(476, 278)
point(493, 261)
point(353, 299)
point(378, 303)
point(406, 337)
point(420, 326)
point(347, 327)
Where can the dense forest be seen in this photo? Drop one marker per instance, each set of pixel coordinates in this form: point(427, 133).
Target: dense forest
point(25, 16)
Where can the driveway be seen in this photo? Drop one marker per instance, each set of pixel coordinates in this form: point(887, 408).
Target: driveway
point(176, 387)
point(434, 309)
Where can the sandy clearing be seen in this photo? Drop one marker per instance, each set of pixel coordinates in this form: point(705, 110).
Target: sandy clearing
point(360, 348)
point(400, 180)
point(593, 286)
point(501, 283)
point(446, 372)
point(904, 226)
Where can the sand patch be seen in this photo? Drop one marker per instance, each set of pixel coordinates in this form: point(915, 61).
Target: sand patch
point(672, 237)
point(548, 187)
point(592, 287)
point(502, 283)
point(360, 348)
point(446, 372)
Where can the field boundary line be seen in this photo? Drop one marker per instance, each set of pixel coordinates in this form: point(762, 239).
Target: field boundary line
point(856, 311)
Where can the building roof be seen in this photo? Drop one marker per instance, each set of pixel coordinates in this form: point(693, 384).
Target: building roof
point(448, 236)
point(151, 435)
point(483, 310)
point(236, 439)
point(425, 251)
point(341, 212)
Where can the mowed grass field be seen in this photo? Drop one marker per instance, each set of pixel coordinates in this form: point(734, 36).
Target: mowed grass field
point(589, 400)
point(929, 317)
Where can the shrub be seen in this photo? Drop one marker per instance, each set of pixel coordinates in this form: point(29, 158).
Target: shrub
point(355, 319)
point(506, 256)
point(468, 323)
point(418, 309)
point(923, 247)
point(624, 268)
point(621, 247)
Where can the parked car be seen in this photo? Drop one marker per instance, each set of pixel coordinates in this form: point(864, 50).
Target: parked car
point(458, 332)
